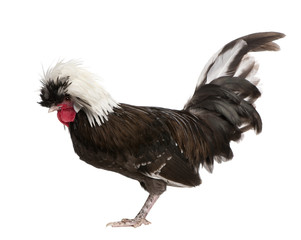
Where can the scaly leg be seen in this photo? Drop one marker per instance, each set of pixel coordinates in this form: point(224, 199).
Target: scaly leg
point(140, 218)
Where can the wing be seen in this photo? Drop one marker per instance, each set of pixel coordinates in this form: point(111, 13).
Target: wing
point(166, 144)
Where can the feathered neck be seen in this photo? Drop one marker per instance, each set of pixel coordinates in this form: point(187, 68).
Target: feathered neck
point(84, 89)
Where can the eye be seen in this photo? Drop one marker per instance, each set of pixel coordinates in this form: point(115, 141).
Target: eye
point(67, 98)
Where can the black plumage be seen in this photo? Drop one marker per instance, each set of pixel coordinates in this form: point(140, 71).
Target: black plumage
point(54, 92)
point(162, 147)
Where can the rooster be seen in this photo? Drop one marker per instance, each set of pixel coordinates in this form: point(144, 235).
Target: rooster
point(161, 147)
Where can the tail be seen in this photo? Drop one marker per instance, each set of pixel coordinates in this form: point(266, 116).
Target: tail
point(226, 91)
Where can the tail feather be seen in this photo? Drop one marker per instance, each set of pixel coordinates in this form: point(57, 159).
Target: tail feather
point(226, 91)
point(247, 69)
point(226, 61)
point(242, 88)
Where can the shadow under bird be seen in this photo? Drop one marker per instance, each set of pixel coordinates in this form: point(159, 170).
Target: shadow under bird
point(161, 147)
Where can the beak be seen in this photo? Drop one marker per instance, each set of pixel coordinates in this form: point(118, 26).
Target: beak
point(54, 108)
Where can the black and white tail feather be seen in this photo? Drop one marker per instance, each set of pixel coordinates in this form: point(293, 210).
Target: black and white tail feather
point(233, 59)
point(226, 91)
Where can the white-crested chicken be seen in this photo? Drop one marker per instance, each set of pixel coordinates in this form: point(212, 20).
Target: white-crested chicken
point(161, 147)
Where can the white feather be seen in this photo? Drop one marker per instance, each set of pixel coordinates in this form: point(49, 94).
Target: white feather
point(222, 63)
point(85, 90)
point(203, 76)
point(218, 65)
point(247, 62)
point(169, 182)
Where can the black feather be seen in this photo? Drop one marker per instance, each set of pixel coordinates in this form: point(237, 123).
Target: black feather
point(53, 92)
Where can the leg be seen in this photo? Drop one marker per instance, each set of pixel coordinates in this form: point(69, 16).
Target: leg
point(140, 218)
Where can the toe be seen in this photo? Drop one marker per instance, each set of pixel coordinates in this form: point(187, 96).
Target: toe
point(129, 223)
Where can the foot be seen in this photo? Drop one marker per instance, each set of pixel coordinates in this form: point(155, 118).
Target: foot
point(140, 218)
point(136, 222)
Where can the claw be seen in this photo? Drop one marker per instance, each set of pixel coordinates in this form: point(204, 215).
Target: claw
point(136, 222)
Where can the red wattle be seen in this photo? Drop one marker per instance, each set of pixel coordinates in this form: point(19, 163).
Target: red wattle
point(66, 114)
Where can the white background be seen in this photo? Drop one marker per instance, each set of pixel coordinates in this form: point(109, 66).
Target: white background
point(148, 53)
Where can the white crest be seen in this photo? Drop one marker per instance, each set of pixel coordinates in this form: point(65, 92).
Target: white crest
point(84, 89)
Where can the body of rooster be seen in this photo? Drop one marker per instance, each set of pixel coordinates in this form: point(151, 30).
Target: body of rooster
point(161, 147)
